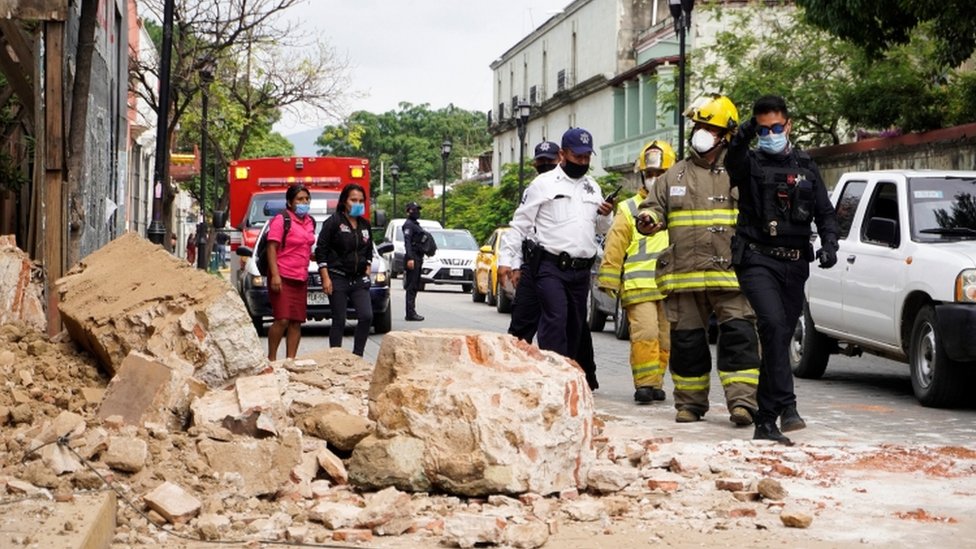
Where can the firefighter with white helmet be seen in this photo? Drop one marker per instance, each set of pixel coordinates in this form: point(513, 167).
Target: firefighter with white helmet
point(627, 270)
point(694, 203)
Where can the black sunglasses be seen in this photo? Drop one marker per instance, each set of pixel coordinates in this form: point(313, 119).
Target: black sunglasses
point(776, 128)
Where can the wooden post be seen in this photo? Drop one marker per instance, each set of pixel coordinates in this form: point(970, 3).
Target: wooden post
point(54, 199)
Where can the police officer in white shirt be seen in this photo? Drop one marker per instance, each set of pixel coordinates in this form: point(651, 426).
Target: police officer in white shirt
point(565, 208)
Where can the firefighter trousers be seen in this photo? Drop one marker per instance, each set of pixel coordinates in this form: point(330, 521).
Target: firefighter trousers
point(691, 361)
point(650, 343)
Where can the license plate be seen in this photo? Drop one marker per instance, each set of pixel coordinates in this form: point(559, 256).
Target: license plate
point(317, 298)
point(457, 272)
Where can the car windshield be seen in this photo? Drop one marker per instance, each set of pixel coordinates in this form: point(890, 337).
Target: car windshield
point(264, 207)
point(943, 208)
point(454, 240)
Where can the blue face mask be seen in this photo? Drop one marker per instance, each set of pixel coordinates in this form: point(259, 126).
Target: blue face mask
point(774, 143)
point(356, 210)
point(301, 210)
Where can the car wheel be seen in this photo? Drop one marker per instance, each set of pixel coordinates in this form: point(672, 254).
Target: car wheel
point(259, 325)
point(503, 303)
point(937, 380)
point(383, 323)
point(467, 288)
point(809, 349)
point(621, 324)
point(595, 320)
point(477, 296)
point(491, 298)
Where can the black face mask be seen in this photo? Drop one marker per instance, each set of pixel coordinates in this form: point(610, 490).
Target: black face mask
point(413, 214)
point(574, 170)
point(543, 168)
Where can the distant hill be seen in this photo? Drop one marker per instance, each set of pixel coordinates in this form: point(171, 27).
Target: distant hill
point(304, 142)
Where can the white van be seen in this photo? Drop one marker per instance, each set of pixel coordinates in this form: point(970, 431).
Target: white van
point(394, 234)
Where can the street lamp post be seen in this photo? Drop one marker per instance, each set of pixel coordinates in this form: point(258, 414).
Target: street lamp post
point(445, 152)
point(681, 11)
point(521, 122)
point(156, 232)
point(395, 174)
point(206, 77)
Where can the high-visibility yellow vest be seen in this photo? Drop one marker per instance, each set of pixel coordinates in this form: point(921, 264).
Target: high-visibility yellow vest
point(638, 282)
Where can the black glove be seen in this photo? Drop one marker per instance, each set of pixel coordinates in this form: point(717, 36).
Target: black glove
point(747, 130)
point(827, 255)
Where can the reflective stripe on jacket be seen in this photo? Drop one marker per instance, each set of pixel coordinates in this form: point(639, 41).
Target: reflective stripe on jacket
point(630, 258)
point(700, 209)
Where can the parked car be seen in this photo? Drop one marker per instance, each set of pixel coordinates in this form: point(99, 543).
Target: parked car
point(487, 287)
point(254, 290)
point(905, 284)
point(394, 234)
point(454, 261)
point(601, 306)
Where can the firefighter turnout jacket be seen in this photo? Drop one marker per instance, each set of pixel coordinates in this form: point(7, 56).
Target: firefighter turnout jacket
point(699, 209)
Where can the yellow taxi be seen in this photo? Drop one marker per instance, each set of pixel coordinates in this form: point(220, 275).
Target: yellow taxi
point(486, 285)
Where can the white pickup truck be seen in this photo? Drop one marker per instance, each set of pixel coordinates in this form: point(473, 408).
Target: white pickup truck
point(904, 285)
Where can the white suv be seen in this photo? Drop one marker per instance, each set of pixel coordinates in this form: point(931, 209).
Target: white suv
point(904, 285)
point(454, 261)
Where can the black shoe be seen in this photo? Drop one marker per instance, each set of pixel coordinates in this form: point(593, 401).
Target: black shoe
point(415, 318)
point(790, 419)
point(659, 394)
point(644, 395)
point(591, 381)
point(767, 430)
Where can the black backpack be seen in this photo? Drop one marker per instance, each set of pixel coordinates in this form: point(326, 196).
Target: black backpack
point(427, 244)
point(261, 250)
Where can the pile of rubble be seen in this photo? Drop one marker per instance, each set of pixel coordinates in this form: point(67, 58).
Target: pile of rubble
point(451, 438)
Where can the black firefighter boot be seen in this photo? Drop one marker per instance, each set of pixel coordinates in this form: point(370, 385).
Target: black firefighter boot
point(766, 429)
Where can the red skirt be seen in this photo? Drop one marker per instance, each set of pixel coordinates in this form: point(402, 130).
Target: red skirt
point(289, 303)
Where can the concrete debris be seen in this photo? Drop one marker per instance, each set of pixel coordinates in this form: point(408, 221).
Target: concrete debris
point(467, 530)
point(173, 503)
point(290, 455)
point(21, 287)
point(771, 489)
point(126, 454)
point(132, 295)
point(795, 519)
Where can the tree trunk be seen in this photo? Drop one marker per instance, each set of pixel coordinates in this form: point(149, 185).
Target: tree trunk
point(77, 124)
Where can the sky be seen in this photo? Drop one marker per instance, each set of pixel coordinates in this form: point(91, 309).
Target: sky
point(418, 51)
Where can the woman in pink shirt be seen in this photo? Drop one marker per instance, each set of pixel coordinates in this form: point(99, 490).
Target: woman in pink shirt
point(288, 266)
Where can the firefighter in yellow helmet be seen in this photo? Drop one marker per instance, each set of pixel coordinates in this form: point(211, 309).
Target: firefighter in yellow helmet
point(694, 203)
point(627, 270)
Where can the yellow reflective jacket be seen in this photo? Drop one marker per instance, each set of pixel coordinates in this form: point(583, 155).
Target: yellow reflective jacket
point(629, 257)
point(699, 208)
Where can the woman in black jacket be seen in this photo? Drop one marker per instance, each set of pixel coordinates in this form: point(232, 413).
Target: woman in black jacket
point(344, 251)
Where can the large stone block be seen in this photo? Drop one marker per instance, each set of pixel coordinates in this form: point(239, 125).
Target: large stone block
point(132, 295)
point(147, 390)
point(264, 466)
point(490, 413)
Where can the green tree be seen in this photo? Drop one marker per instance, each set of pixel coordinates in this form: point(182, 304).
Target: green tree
point(812, 73)
point(832, 86)
point(410, 137)
point(878, 25)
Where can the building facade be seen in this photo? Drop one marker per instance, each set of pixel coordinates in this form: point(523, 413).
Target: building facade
point(610, 66)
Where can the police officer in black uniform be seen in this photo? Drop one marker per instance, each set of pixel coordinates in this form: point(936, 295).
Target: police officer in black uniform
point(780, 193)
point(413, 259)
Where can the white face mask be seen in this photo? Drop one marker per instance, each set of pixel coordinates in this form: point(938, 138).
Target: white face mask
point(702, 141)
point(649, 182)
